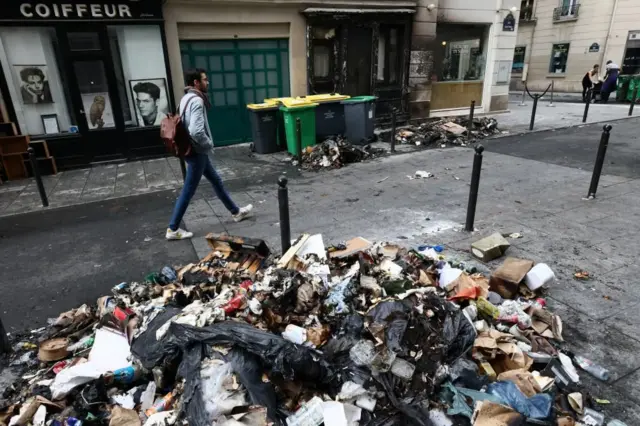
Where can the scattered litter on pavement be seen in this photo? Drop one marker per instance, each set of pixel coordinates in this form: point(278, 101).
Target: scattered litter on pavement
point(355, 333)
point(421, 174)
point(582, 275)
point(443, 131)
point(490, 248)
point(334, 154)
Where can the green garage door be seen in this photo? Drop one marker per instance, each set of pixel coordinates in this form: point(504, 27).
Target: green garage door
point(240, 72)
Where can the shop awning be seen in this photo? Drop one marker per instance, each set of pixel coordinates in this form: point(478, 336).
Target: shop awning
point(312, 10)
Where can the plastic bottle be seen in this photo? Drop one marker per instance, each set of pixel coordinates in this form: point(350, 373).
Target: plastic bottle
point(591, 367)
point(162, 405)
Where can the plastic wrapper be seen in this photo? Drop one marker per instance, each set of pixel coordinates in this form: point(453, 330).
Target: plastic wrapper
point(218, 400)
point(537, 407)
point(461, 400)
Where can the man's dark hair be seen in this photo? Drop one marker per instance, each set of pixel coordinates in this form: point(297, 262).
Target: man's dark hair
point(596, 66)
point(609, 61)
point(192, 75)
point(29, 71)
point(148, 88)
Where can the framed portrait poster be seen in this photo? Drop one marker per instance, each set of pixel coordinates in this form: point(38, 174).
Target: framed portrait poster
point(150, 100)
point(34, 84)
point(50, 124)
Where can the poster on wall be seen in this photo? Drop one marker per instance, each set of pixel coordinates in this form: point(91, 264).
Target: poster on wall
point(34, 84)
point(150, 100)
point(98, 106)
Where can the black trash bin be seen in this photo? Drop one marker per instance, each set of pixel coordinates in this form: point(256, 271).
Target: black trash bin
point(329, 114)
point(359, 116)
point(264, 127)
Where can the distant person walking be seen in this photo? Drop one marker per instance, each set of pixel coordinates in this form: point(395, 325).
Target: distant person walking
point(589, 80)
point(610, 81)
point(193, 109)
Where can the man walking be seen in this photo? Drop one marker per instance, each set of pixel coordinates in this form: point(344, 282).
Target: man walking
point(194, 117)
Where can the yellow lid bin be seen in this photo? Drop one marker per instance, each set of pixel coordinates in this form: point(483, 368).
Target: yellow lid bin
point(325, 97)
point(262, 106)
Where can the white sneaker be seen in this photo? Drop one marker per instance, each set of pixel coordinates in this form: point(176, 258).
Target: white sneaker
point(244, 213)
point(178, 234)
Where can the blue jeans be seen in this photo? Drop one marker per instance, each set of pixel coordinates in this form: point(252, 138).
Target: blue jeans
point(197, 166)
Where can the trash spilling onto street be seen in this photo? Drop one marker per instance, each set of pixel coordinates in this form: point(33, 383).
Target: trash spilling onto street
point(355, 333)
point(442, 132)
point(334, 154)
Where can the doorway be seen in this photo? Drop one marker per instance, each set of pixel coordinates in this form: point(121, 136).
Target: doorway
point(359, 50)
point(240, 72)
point(93, 90)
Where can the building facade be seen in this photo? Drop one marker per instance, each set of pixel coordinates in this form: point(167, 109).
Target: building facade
point(419, 58)
point(94, 79)
point(461, 52)
point(561, 40)
point(90, 78)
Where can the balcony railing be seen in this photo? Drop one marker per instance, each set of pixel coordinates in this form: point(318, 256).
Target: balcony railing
point(526, 11)
point(564, 13)
point(526, 15)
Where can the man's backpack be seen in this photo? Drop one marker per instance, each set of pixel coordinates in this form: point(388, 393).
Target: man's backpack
point(175, 134)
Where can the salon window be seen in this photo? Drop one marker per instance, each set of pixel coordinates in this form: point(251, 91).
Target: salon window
point(38, 89)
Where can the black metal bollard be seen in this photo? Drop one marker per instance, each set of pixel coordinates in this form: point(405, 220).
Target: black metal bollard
point(298, 139)
point(597, 168)
point(473, 191)
point(183, 168)
point(472, 110)
point(392, 141)
point(283, 203)
point(586, 106)
point(36, 175)
point(533, 111)
point(633, 101)
point(5, 348)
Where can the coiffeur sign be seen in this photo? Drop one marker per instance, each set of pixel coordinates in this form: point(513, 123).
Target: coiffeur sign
point(47, 10)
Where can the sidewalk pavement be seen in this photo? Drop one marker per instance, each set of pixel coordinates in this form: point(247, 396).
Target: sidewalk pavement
point(240, 168)
point(543, 202)
point(558, 116)
point(237, 166)
point(574, 97)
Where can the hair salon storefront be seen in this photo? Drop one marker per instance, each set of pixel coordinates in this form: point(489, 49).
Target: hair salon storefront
point(88, 77)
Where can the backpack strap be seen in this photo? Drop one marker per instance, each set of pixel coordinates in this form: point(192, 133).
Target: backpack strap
point(186, 106)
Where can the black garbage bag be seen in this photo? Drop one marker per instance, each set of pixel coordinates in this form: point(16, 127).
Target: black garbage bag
point(281, 357)
point(394, 315)
point(151, 351)
point(458, 335)
point(194, 406)
point(249, 370)
point(413, 413)
point(464, 373)
point(348, 334)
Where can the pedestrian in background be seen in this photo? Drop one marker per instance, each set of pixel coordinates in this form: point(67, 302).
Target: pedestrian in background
point(589, 80)
point(193, 108)
point(610, 81)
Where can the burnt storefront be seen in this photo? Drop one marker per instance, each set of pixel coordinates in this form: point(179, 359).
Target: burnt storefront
point(361, 52)
point(89, 77)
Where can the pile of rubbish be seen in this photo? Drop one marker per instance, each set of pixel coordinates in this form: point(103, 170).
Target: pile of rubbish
point(447, 131)
point(334, 154)
point(358, 333)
